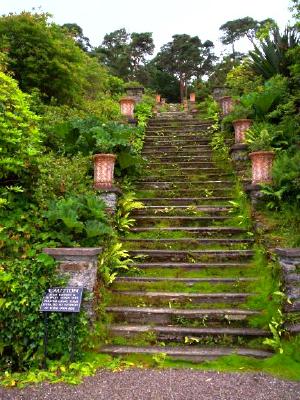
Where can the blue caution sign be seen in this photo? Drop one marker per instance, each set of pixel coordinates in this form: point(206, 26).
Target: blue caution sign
point(62, 300)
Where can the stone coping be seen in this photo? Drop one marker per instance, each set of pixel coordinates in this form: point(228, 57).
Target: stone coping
point(238, 146)
point(73, 251)
point(288, 252)
point(113, 189)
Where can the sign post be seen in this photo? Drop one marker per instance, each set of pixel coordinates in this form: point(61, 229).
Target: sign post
point(64, 300)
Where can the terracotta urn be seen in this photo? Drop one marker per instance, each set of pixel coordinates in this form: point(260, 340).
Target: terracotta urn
point(226, 104)
point(262, 162)
point(192, 97)
point(157, 98)
point(240, 128)
point(104, 165)
point(127, 107)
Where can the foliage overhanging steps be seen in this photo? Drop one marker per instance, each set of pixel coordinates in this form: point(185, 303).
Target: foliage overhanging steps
point(187, 291)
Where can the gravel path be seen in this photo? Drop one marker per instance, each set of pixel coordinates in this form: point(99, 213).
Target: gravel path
point(182, 384)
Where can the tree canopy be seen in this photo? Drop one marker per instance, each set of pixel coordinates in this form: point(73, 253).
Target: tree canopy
point(125, 54)
point(186, 57)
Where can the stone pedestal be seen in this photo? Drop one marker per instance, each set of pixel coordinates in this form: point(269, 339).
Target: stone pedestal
point(255, 194)
point(135, 93)
point(226, 104)
point(79, 265)
point(239, 152)
point(127, 107)
point(110, 198)
point(240, 128)
point(104, 165)
point(262, 162)
point(289, 260)
point(192, 97)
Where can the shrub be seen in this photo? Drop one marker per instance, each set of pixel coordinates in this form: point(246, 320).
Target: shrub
point(22, 285)
point(20, 137)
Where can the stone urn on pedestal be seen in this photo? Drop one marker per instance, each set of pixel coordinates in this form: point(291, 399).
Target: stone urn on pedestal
point(259, 138)
point(262, 162)
point(192, 97)
point(226, 104)
point(127, 107)
point(240, 128)
point(104, 165)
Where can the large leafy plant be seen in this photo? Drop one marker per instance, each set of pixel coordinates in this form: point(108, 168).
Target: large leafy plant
point(79, 220)
point(271, 57)
point(261, 136)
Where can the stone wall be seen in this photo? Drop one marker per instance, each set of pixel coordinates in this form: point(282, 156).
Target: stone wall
point(79, 266)
point(289, 260)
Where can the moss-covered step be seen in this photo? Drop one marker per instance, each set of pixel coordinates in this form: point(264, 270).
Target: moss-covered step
point(209, 174)
point(180, 210)
point(179, 220)
point(178, 164)
point(192, 353)
point(185, 200)
point(199, 232)
point(180, 286)
point(190, 243)
point(171, 316)
point(179, 334)
point(176, 140)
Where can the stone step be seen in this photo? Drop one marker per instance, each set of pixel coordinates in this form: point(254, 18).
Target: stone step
point(210, 231)
point(176, 164)
point(178, 220)
point(184, 243)
point(179, 210)
point(179, 334)
point(177, 140)
point(187, 281)
point(172, 316)
point(190, 265)
point(189, 174)
point(192, 353)
point(154, 255)
point(179, 157)
point(185, 184)
point(202, 195)
point(177, 122)
point(188, 201)
point(174, 150)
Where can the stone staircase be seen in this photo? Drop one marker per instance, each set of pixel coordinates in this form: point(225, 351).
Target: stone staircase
point(186, 292)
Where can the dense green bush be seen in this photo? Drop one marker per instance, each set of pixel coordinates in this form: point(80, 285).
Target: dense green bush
point(22, 285)
point(20, 137)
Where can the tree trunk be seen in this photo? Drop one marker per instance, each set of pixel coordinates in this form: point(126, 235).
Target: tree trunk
point(181, 89)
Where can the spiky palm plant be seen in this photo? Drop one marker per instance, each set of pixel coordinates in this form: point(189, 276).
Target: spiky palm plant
point(271, 58)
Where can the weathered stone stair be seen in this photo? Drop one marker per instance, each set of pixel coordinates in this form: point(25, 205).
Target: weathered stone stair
point(187, 291)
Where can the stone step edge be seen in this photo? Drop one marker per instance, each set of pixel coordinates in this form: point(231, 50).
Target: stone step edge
point(189, 265)
point(188, 330)
point(178, 311)
point(184, 295)
point(185, 352)
point(182, 280)
point(193, 229)
point(192, 251)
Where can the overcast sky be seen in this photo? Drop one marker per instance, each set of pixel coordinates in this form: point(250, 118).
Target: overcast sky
point(162, 17)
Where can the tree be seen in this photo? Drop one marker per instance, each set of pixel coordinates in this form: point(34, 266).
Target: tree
point(124, 53)
point(141, 45)
point(76, 33)
point(41, 56)
point(186, 57)
point(242, 27)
